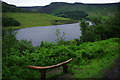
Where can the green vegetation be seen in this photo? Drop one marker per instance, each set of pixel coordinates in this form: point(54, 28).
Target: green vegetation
point(60, 38)
point(58, 22)
point(101, 30)
point(11, 8)
point(58, 7)
point(9, 22)
point(96, 50)
point(93, 54)
point(32, 19)
point(97, 68)
point(76, 15)
point(20, 54)
point(76, 10)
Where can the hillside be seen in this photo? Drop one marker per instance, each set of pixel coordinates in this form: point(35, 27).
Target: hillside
point(32, 9)
point(11, 8)
point(58, 7)
point(17, 18)
point(32, 19)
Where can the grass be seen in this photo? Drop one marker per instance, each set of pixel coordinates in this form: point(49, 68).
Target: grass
point(32, 19)
point(96, 69)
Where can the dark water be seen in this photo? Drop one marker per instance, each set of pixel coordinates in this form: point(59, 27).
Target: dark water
point(48, 33)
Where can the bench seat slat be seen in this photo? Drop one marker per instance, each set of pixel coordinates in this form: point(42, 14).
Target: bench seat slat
point(52, 66)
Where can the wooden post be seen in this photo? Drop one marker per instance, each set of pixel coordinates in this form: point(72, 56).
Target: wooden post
point(65, 68)
point(43, 74)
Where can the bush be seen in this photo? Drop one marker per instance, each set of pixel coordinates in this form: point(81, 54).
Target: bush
point(8, 41)
point(101, 30)
point(88, 34)
point(9, 22)
point(109, 29)
point(95, 19)
point(60, 37)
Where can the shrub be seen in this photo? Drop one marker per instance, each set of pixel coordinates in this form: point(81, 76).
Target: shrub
point(60, 37)
point(96, 19)
point(9, 40)
point(88, 33)
point(103, 29)
point(9, 22)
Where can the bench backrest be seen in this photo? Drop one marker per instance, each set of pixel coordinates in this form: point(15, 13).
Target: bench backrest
point(50, 67)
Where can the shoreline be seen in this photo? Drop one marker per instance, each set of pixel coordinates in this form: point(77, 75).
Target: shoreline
point(6, 28)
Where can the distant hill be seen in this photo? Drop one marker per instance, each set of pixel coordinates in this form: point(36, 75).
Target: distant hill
point(59, 7)
point(32, 9)
point(11, 8)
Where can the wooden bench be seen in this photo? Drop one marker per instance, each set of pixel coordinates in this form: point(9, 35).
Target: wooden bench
point(43, 72)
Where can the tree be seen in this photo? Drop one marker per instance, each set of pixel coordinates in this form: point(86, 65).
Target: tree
point(96, 19)
point(60, 38)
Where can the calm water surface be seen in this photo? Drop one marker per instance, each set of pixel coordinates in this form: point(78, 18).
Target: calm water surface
point(48, 33)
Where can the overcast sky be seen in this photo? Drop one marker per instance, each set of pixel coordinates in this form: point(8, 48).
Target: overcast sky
point(46, 2)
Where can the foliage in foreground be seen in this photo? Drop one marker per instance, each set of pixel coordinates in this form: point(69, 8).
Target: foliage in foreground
point(97, 68)
point(18, 55)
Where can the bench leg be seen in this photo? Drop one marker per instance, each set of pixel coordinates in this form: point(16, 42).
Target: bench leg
point(65, 68)
point(43, 74)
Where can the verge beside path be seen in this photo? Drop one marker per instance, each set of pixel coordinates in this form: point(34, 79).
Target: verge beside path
point(115, 71)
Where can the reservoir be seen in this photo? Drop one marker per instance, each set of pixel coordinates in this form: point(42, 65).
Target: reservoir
point(48, 33)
